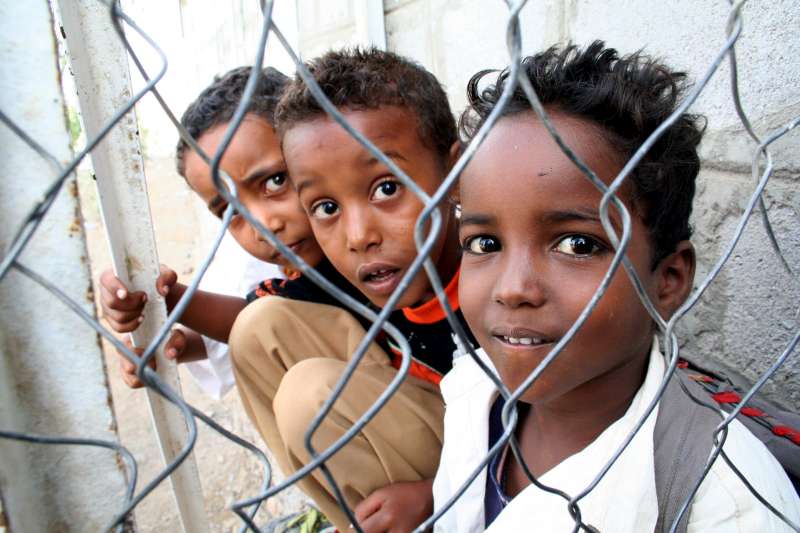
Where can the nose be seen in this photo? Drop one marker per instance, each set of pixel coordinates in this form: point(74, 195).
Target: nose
point(275, 223)
point(519, 284)
point(362, 230)
point(272, 219)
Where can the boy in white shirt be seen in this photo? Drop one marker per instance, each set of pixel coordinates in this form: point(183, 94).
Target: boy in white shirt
point(534, 253)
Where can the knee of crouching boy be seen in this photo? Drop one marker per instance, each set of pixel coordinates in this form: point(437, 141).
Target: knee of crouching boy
point(250, 335)
point(302, 392)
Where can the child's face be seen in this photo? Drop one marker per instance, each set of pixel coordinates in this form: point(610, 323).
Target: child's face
point(535, 252)
point(361, 214)
point(254, 162)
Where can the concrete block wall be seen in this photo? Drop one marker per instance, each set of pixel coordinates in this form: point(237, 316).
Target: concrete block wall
point(750, 313)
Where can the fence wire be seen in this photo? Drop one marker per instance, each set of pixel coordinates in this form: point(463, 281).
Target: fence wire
point(430, 218)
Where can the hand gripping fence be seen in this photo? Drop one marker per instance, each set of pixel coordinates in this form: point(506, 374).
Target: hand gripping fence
point(431, 218)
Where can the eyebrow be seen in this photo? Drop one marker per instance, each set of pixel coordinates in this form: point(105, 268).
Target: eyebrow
point(590, 215)
point(300, 185)
point(264, 172)
point(585, 214)
point(476, 219)
point(371, 160)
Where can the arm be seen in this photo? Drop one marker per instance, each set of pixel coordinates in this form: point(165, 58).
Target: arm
point(183, 346)
point(208, 313)
point(194, 349)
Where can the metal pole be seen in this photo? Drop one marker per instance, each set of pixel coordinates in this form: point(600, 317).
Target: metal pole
point(369, 23)
point(102, 77)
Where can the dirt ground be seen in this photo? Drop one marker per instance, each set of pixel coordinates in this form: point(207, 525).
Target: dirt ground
point(227, 472)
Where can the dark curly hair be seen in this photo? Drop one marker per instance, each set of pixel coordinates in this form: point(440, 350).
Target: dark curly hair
point(367, 78)
point(628, 97)
point(218, 102)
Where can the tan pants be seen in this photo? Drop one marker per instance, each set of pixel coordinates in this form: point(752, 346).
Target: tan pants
point(287, 357)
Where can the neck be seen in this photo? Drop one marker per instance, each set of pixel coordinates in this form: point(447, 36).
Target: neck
point(550, 432)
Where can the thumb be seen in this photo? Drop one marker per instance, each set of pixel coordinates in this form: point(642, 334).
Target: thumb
point(166, 279)
point(368, 506)
point(112, 285)
point(175, 345)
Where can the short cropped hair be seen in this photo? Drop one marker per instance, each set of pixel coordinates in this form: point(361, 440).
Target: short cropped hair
point(218, 102)
point(628, 98)
point(368, 78)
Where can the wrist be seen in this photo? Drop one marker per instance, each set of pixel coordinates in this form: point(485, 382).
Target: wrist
point(427, 486)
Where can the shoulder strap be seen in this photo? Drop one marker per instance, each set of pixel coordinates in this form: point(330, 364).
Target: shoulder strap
point(682, 442)
point(774, 426)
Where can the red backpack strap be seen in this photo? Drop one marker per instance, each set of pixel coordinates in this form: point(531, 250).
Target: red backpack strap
point(777, 428)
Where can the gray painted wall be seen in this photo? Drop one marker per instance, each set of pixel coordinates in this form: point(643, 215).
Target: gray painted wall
point(52, 376)
point(748, 316)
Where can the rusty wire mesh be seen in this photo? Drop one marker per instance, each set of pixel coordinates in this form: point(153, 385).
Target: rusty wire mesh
point(431, 218)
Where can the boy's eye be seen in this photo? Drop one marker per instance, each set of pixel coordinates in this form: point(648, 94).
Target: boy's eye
point(275, 183)
point(386, 189)
point(324, 209)
point(482, 244)
point(579, 245)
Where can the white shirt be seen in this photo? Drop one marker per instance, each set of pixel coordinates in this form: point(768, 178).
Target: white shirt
point(232, 272)
point(625, 499)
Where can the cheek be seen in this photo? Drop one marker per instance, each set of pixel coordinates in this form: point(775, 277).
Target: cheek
point(245, 236)
point(619, 317)
point(405, 210)
point(313, 256)
point(296, 217)
point(473, 296)
point(331, 243)
point(399, 232)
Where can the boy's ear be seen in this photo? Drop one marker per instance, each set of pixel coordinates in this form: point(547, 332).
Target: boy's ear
point(454, 196)
point(455, 153)
point(675, 275)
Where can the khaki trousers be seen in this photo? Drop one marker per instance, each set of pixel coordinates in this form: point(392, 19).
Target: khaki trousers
point(287, 357)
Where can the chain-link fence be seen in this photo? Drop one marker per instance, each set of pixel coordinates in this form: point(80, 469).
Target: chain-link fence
point(426, 233)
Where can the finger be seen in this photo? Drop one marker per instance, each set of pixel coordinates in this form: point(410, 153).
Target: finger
point(130, 366)
point(133, 301)
point(378, 522)
point(127, 367)
point(110, 283)
point(368, 506)
point(128, 373)
point(175, 345)
point(166, 279)
point(132, 381)
point(121, 316)
point(124, 326)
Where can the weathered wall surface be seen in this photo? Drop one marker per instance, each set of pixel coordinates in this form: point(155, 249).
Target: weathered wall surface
point(749, 314)
point(52, 375)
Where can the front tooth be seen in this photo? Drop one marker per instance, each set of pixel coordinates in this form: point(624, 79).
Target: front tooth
point(513, 340)
point(525, 340)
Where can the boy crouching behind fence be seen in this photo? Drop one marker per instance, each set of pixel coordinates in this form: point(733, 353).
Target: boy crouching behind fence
point(534, 254)
point(288, 355)
point(253, 160)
